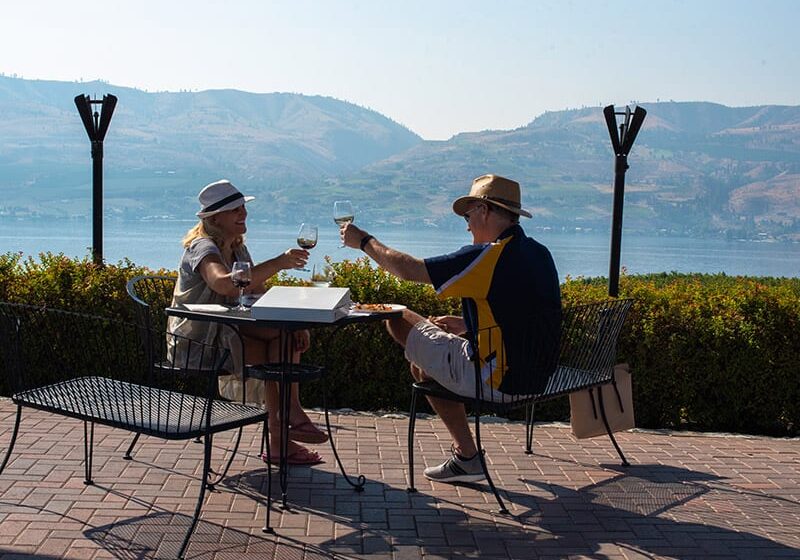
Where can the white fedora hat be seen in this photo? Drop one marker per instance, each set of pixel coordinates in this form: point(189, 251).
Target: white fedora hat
point(219, 197)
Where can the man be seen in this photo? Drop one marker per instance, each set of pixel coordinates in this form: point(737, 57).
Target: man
point(504, 279)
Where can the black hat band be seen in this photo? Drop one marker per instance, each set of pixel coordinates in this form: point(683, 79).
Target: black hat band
point(223, 202)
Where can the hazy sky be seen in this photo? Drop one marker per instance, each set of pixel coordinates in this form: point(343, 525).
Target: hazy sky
point(438, 67)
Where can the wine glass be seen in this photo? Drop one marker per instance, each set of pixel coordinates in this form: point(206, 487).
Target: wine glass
point(241, 276)
point(320, 277)
point(307, 239)
point(343, 213)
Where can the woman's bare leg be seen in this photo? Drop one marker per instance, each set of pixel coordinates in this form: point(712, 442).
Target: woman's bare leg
point(263, 346)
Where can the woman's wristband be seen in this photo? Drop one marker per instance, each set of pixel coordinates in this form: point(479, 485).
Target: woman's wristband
point(364, 240)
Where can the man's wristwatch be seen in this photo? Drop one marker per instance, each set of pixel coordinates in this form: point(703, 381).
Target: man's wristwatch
point(364, 240)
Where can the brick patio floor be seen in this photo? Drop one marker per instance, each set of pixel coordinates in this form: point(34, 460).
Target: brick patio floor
point(685, 496)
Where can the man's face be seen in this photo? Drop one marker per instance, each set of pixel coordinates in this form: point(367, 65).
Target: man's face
point(477, 217)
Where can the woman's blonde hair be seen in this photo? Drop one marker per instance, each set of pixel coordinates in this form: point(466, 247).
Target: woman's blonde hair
point(205, 228)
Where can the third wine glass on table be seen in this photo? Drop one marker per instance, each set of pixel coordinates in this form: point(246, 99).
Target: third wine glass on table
point(343, 213)
point(307, 239)
point(241, 276)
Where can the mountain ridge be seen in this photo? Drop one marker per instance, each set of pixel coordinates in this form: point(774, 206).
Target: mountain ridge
point(697, 168)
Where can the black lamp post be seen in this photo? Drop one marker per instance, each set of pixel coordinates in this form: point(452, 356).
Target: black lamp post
point(96, 127)
point(622, 142)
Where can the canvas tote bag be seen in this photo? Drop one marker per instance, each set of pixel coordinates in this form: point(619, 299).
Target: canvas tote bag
point(584, 407)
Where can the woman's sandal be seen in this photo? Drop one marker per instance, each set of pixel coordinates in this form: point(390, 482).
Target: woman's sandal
point(301, 456)
point(307, 432)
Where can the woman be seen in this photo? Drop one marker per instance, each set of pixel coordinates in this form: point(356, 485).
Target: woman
point(204, 276)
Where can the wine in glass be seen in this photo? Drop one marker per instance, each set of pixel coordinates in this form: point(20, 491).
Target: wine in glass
point(241, 276)
point(307, 239)
point(343, 213)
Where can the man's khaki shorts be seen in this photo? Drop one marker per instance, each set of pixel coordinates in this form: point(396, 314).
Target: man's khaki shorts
point(445, 358)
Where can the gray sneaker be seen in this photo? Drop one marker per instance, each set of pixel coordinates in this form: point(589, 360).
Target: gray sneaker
point(457, 470)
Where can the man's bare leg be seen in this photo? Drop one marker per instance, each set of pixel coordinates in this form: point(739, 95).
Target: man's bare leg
point(453, 414)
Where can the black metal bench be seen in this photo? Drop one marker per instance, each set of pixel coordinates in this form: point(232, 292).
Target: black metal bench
point(94, 369)
point(581, 356)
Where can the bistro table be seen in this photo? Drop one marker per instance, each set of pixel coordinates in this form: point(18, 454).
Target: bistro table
point(285, 372)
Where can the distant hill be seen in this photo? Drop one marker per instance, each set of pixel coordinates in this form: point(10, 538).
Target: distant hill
point(696, 168)
point(161, 147)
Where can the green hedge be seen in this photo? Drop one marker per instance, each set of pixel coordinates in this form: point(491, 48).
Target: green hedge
point(708, 352)
point(63, 283)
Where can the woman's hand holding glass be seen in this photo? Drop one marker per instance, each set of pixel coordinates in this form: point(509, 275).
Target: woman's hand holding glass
point(292, 258)
point(307, 239)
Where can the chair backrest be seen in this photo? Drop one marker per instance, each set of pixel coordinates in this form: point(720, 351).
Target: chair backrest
point(43, 346)
point(528, 354)
point(590, 332)
point(151, 295)
point(95, 367)
point(538, 356)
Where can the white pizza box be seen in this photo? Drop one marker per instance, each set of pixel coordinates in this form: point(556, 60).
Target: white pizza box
point(293, 303)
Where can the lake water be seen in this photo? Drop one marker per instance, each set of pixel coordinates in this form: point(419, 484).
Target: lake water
point(157, 244)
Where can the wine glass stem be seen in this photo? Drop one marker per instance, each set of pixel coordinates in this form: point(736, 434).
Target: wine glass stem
point(241, 298)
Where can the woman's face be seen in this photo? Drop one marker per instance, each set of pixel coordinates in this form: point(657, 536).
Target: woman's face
point(232, 222)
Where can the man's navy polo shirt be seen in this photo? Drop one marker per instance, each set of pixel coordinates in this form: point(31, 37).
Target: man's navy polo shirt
point(507, 284)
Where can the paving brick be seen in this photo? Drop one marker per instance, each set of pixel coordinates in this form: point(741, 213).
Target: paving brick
point(685, 495)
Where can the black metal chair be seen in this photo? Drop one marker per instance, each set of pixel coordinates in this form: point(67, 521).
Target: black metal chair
point(94, 369)
point(151, 294)
point(544, 365)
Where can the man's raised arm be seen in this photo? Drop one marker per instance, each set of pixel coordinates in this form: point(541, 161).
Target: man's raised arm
point(397, 263)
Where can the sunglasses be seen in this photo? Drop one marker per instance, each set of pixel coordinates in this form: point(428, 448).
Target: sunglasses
point(467, 213)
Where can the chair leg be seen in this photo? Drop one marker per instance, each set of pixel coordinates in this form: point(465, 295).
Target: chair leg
point(224, 473)
point(361, 480)
point(412, 420)
point(265, 445)
point(608, 428)
point(13, 438)
point(88, 448)
point(203, 484)
point(529, 429)
point(482, 457)
point(128, 455)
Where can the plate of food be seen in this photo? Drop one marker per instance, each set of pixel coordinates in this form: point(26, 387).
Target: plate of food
point(378, 307)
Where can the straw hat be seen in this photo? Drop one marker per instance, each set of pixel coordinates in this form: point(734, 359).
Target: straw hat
point(493, 189)
point(219, 197)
